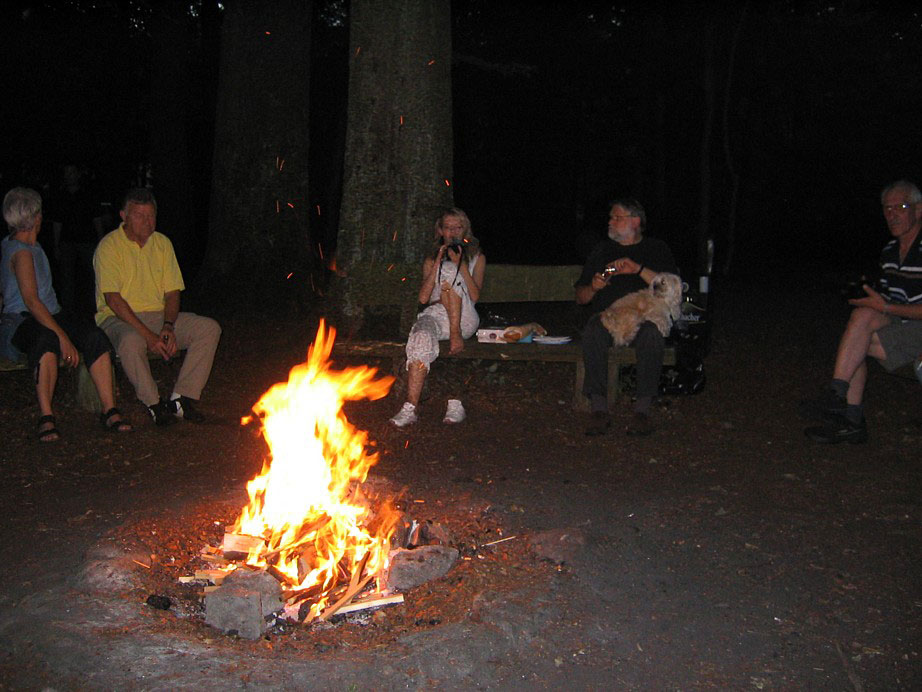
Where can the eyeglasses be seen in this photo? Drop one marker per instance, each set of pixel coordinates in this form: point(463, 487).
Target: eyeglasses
point(898, 207)
point(622, 216)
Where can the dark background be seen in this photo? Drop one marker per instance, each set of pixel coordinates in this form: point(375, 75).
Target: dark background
point(558, 107)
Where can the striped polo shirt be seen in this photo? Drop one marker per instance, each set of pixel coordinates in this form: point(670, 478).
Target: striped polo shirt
point(902, 282)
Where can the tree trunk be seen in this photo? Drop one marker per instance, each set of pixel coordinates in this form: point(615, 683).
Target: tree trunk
point(728, 150)
point(169, 116)
point(661, 108)
point(398, 160)
point(259, 241)
point(707, 132)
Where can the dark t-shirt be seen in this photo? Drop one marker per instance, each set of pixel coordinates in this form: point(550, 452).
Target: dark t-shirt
point(652, 253)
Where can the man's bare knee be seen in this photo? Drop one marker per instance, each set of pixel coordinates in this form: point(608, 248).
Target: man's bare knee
point(876, 348)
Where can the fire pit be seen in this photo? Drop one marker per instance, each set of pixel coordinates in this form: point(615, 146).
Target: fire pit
point(309, 524)
point(323, 537)
point(169, 549)
point(317, 537)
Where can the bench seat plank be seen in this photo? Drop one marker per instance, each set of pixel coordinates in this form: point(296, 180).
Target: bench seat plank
point(475, 350)
point(505, 283)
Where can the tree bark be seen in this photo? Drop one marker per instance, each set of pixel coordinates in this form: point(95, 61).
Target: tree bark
point(727, 146)
point(398, 160)
point(169, 111)
point(259, 235)
point(707, 133)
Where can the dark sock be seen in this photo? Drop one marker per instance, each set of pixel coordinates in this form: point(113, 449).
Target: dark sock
point(854, 413)
point(598, 402)
point(643, 403)
point(840, 387)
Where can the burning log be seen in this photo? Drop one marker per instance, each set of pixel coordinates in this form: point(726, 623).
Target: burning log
point(215, 576)
point(371, 601)
point(213, 555)
point(309, 535)
point(238, 546)
point(280, 576)
point(306, 561)
point(293, 597)
point(348, 596)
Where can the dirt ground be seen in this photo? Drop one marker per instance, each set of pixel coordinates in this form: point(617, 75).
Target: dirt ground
point(726, 551)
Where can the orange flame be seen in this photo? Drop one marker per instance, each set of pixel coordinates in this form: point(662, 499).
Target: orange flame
point(307, 501)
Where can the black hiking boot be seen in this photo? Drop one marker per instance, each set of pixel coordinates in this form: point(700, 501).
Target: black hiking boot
point(822, 407)
point(839, 429)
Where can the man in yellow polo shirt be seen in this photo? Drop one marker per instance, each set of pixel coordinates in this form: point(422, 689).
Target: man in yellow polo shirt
point(138, 283)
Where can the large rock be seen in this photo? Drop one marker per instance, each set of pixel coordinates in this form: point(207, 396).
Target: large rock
point(410, 568)
point(243, 602)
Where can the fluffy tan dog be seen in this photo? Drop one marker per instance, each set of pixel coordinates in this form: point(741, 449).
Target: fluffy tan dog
point(659, 303)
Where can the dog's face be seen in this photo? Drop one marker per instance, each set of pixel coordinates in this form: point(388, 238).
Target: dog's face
point(668, 287)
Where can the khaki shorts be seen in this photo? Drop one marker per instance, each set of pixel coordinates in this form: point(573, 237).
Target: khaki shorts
point(902, 342)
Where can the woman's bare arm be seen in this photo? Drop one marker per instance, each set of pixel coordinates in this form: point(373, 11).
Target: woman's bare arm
point(474, 281)
point(24, 270)
point(429, 272)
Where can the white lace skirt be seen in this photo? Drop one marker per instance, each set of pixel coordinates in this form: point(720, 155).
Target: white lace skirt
point(432, 326)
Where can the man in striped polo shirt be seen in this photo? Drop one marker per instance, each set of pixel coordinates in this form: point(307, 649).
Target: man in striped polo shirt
point(886, 325)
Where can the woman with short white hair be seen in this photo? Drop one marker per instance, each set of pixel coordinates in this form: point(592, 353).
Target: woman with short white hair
point(34, 325)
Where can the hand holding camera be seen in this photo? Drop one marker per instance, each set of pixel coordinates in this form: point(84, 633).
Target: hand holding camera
point(853, 289)
point(453, 251)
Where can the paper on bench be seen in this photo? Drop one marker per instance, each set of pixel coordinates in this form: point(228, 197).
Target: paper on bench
point(556, 340)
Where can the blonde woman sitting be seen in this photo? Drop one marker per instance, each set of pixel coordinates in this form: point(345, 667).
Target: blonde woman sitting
point(452, 278)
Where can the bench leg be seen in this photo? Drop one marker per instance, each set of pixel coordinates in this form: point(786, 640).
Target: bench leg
point(87, 396)
point(580, 402)
point(614, 383)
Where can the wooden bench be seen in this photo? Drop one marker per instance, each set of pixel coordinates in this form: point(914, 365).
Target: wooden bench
point(513, 283)
point(87, 397)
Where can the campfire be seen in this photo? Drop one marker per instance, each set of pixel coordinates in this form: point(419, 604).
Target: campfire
point(309, 523)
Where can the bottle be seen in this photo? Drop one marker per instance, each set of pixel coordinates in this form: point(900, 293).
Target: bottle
point(918, 368)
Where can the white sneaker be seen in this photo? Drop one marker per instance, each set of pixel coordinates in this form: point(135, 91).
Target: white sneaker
point(455, 412)
point(405, 415)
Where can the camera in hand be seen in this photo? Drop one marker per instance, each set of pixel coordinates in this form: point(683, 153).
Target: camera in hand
point(453, 246)
point(854, 287)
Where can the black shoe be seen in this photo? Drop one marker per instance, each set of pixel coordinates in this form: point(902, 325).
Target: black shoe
point(600, 422)
point(825, 405)
point(640, 425)
point(184, 408)
point(839, 429)
point(162, 413)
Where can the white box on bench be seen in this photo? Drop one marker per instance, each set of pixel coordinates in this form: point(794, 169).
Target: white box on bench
point(488, 336)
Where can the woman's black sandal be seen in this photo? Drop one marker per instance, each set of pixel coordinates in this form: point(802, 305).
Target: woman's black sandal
point(120, 425)
point(49, 434)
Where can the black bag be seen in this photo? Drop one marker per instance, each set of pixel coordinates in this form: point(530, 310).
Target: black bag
point(685, 377)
